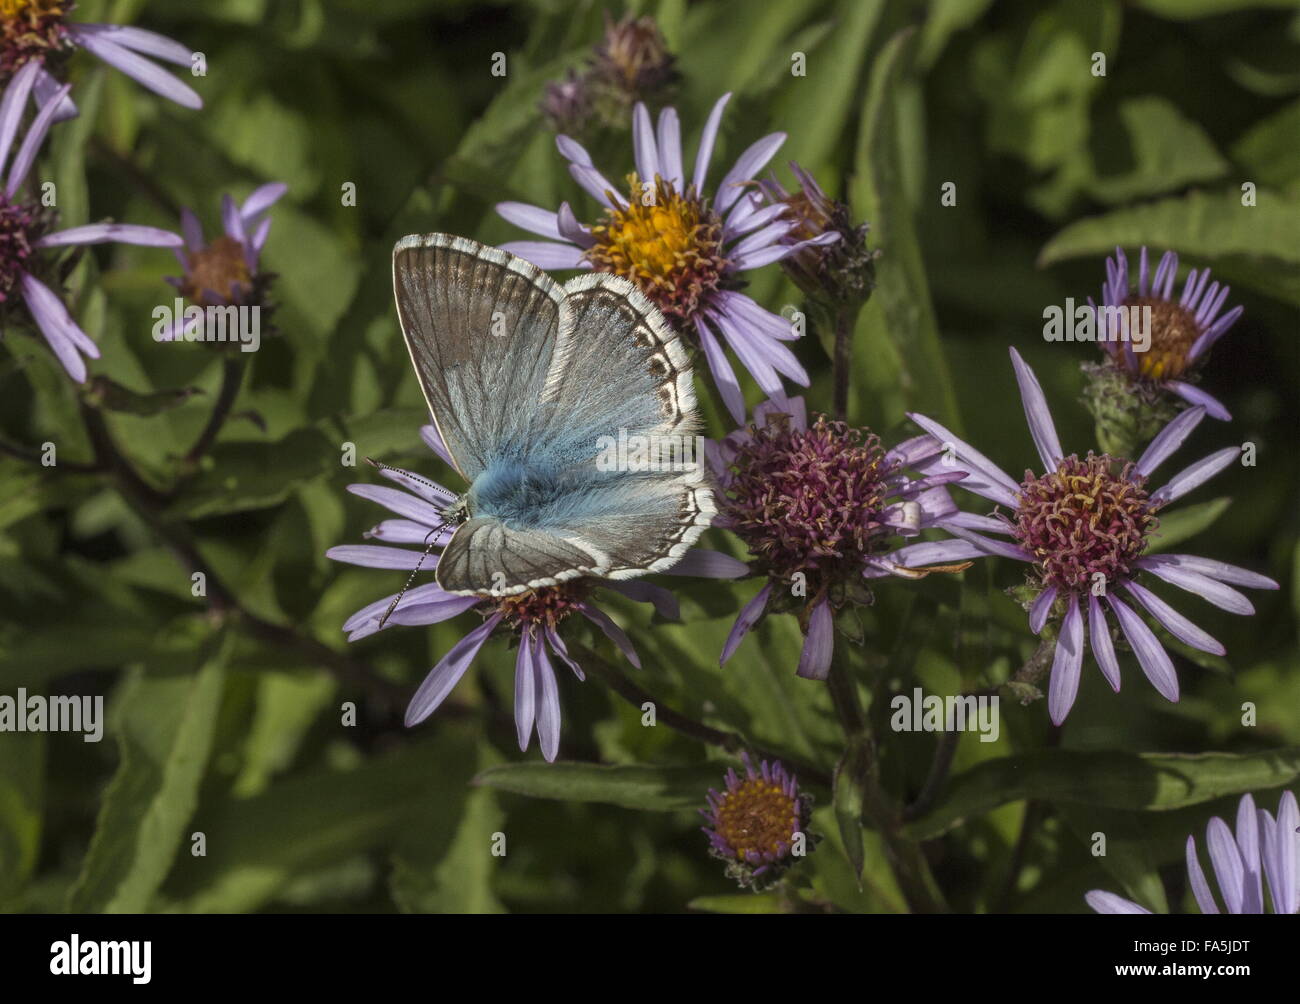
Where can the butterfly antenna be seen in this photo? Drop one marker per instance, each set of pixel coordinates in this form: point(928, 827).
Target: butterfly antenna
point(436, 489)
point(429, 541)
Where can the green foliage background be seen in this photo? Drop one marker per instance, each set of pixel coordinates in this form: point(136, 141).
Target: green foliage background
point(218, 729)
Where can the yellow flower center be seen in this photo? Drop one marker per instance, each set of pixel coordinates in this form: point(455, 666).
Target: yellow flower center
point(757, 817)
point(1173, 332)
point(216, 269)
point(669, 244)
point(29, 29)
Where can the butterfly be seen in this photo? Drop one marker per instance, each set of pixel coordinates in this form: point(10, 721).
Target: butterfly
point(525, 380)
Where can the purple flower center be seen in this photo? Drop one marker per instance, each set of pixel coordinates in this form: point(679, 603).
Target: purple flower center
point(1084, 519)
point(542, 608)
point(30, 29)
point(810, 500)
point(20, 226)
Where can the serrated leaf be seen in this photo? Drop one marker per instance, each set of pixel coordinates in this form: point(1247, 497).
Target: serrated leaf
point(1253, 245)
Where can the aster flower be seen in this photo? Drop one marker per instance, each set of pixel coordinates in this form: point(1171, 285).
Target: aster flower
point(841, 271)
point(226, 271)
point(1264, 854)
point(1083, 526)
point(682, 249)
point(758, 825)
point(26, 228)
point(820, 506)
point(631, 63)
point(38, 33)
point(533, 617)
point(1183, 328)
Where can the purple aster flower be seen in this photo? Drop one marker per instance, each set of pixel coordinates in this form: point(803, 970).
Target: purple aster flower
point(38, 33)
point(820, 507)
point(226, 271)
point(534, 616)
point(838, 271)
point(1083, 526)
point(1183, 328)
point(684, 250)
point(759, 823)
point(26, 229)
point(1264, 854)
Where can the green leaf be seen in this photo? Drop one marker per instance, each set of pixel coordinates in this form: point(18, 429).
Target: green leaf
point(22, 803)
point(739, 902)
point(287, 705)
point(848, 800)
point(1190, 10)
point(258, 846)
point(1269, 151)
point(243, 476)
point(1129, 854)
point(1180, 524)
point(1168, 152)
point(656, 789)
point(165, 727)
point(901, 304)
point(1254, 245)
point(1151, 781)
point(819, 107)
point(450, 868)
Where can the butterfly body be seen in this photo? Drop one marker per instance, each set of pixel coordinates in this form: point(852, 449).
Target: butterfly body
point(524, 377)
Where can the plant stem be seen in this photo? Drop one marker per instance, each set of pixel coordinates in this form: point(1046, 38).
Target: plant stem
point(845, 321)
point(936, 779)
point(906, 858)
point(232, 375)
point(34, 456)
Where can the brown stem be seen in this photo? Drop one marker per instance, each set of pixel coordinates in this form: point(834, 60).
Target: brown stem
point(845, 320)
point(232, 374)
point(34, 456)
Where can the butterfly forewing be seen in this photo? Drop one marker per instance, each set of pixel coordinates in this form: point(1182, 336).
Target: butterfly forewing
point(480, 326)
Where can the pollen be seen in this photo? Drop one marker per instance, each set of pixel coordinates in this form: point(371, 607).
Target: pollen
point(544, 607)
point(668, 243)
point(20, 226)
point(810, 500)
point(1174, 331)
point(30, 29)
point(216, 274)
point(1084, 519)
